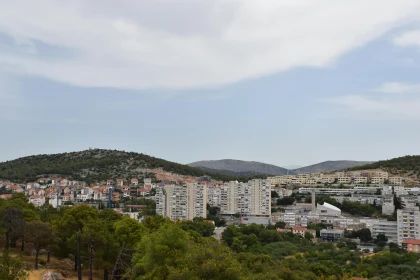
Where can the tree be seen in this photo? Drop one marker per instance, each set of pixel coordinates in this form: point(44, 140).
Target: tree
point(309, 236)
point(288, 200)
point(381, 240)
point(13, 223)
point(274, 194)
point(40, 234)
point(280, 224)
point(11, 268)
point(72, 226)
point(365, 235)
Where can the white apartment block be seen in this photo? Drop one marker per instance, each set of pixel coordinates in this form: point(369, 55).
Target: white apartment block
point(213, 196)
point(182, 202)
point(160, 199)
point(196, 200)
point(251, 198)
point(388, 228)
point(408, 224)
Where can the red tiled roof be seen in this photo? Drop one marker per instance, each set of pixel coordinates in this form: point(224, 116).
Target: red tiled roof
point(412, 241)
point(299, 228)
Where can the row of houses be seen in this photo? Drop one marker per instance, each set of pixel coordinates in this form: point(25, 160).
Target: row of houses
point(354, 177)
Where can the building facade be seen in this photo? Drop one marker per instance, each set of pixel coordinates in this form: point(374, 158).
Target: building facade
point(408, 224)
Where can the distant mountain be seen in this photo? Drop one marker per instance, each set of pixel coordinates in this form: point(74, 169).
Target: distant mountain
point(239, 167)
point(291, 167)
point(329, 166)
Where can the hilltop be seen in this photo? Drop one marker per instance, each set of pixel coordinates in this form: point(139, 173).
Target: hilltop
point(400, 165)
point(239, 167)
point(329, 166)
point(97, 165)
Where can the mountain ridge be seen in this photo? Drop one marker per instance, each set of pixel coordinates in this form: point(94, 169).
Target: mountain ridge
point(255, 167)
point(237, 166)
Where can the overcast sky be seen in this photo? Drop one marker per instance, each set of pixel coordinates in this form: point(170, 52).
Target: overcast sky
point(277, 81)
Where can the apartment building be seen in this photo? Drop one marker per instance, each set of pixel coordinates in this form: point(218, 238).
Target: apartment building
point(388, 206)
point(360, 180)
point(344, 180)
point(408, 224)
point(160, 200)
point(196, 200)
point(249, 199)
point(182, 202)
point(378, 180)
point(213, 196)
point(388, 228)
point(395, 181)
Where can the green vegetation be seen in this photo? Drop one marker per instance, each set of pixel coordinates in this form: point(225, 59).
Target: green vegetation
point(98, 165)
point(158, 248)
point(395, 165)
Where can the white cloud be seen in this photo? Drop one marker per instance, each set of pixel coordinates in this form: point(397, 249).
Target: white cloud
point(409, 38)
point(396, 87)
point(377, 107)
point(189, 43)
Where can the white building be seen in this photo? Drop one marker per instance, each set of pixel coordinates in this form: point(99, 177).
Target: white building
point(388, 228)
point(408, 224)
point(328, 210)
point(37, 200)
point(249, 199)
point(388, 206)
point(160, 199)
point(182, 202)
point(213, 196)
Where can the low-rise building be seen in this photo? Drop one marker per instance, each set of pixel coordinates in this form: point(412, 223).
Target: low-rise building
point(388, 228)
point(331, 234)
point(411, 245)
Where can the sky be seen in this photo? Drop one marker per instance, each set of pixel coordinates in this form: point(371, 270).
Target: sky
point(277, 81)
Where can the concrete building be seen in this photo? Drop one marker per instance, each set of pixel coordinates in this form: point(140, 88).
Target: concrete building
point(360, 180)
point(331, 234)
point(344, 180)
point(160, 199)
point(395, 181)
point(411, 245)
point(378, 180)
point(182, 202)
point(328, 210)
point(408, 224)
point(248, 199)
point(388, 228)
point(388, 206)
point(213, 196)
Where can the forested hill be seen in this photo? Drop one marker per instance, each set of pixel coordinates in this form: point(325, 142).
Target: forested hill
point(96, 165)
point(395, 165)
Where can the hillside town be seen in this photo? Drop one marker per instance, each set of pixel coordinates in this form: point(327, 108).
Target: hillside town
point(255, 201)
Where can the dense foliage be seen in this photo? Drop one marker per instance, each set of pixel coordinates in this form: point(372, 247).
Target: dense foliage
point(406, 163)
point(97, 165)
point(157, 248)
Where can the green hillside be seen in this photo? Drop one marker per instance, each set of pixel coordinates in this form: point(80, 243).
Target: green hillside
point(95, 165)
point(395, 165)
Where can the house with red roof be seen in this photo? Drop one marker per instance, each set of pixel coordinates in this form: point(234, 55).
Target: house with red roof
point(411, 245)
